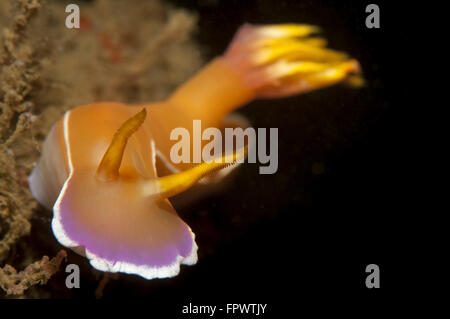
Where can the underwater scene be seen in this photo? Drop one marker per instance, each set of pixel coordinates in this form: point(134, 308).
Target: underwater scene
point(208, 158)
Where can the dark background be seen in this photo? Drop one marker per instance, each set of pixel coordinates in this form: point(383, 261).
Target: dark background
point(301, 238)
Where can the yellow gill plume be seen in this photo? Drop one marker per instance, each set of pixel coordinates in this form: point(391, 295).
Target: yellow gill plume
point(287, 59)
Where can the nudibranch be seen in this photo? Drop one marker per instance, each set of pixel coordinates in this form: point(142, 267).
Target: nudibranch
point(99, 168)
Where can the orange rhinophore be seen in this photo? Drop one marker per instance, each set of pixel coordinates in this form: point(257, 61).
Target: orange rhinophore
point(105, 167)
